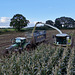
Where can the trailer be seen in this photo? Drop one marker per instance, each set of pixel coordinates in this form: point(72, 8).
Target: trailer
point(35, 38)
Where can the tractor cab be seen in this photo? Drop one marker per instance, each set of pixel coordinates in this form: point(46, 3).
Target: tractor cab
point(18, 43)
point(62, 39)
point(20, 40)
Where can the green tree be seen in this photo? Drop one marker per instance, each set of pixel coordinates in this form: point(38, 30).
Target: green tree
point(49, 22)
point(67, 22)
point(58, 24)
point(18, 21)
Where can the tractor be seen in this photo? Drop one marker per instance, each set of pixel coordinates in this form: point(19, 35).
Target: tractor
point(28, 42)
point(17, 45)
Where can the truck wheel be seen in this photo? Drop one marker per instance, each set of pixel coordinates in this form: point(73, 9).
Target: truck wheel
point(28, 47)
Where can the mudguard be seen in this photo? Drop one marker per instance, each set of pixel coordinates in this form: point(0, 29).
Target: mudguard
point(25, 45)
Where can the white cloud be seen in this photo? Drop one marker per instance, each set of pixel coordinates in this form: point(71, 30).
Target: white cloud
point(32, 24)
point(4, 21)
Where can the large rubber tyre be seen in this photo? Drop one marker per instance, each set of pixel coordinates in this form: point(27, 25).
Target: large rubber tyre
point(6, 52)
point(28, 47)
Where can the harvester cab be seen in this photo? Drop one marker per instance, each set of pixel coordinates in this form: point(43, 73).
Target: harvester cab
point(62, 39)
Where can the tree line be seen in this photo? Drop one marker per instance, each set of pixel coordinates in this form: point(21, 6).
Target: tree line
point(19, 21)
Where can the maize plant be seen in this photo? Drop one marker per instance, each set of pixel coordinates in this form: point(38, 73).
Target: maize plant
point(44, 60)
point(64, 62)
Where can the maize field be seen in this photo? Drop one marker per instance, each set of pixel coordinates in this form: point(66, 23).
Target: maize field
point(44, 60)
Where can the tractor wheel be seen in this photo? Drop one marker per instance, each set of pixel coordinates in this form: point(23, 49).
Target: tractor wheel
point(6, 52)
point(28, 47)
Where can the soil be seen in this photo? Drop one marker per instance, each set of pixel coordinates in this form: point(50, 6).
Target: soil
point(5, 39)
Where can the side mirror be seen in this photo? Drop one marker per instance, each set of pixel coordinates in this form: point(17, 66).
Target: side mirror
point(13, 41)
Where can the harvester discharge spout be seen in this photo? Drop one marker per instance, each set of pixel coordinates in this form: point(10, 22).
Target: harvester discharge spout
point(47, 25)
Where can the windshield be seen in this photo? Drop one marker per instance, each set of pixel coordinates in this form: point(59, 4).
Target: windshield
point(61, 40)
point(18, 41)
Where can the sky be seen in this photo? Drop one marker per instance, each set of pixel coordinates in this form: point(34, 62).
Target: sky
point(35, 10)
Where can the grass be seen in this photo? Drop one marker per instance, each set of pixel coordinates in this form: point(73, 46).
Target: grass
point(6, 30)
point(9, 30)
